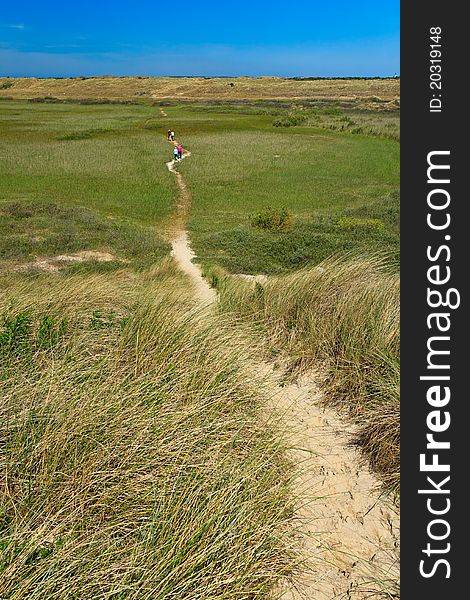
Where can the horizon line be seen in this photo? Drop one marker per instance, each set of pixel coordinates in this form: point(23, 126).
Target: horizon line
point(293, 77)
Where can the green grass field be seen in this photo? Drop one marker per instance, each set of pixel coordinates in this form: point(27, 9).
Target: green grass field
point(100, 157)
point(341, 188)
point(78, 177)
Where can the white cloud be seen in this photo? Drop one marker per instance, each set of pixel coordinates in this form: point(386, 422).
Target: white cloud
point(17, 26)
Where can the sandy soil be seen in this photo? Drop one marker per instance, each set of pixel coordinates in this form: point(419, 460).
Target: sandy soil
point(257, 278)
point(53, 264)
point(181, 251)
point(348, 533)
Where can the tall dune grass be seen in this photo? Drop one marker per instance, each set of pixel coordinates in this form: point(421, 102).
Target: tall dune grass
point(344, 312)
point(135, 463)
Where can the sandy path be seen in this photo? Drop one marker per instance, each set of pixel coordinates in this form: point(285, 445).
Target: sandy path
point(349, 534)
point(180, 245)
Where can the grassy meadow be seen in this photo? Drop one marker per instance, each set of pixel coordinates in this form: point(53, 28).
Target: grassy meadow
point(103, 158)
point(340, 188)
point(140, 460)
point(92, 175)
point(332, 296)
point(136, 461)
point(75, 178)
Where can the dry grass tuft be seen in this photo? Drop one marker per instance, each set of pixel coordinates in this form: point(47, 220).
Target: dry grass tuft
point(134, 460)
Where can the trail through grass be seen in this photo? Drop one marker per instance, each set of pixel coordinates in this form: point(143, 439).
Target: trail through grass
point(343, 314)
point(341, 560)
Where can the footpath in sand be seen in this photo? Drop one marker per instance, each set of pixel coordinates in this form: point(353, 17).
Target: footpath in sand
point(181, 248)
point(350, 535)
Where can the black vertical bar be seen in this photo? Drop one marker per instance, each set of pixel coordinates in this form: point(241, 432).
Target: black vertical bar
point(422, 132)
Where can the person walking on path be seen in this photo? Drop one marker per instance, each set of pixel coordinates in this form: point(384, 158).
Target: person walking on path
point(172, 135)
point(180, 151)
point(175, 154)
point(169, 135)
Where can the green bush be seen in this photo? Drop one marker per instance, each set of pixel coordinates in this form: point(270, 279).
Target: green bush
point(273, 219)
point(290, 121)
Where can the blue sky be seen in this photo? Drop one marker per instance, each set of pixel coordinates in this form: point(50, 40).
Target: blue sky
point(200, 37)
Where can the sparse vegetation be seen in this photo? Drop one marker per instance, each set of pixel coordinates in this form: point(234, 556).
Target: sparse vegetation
point(193, 88)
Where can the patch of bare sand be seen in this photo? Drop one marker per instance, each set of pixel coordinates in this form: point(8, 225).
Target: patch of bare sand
point(260, 278)
point(182, 253)
point(53, 264)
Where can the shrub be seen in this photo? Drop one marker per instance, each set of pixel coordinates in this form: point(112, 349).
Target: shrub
point(332, 111)
point(290, 121)
point(272, 219)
